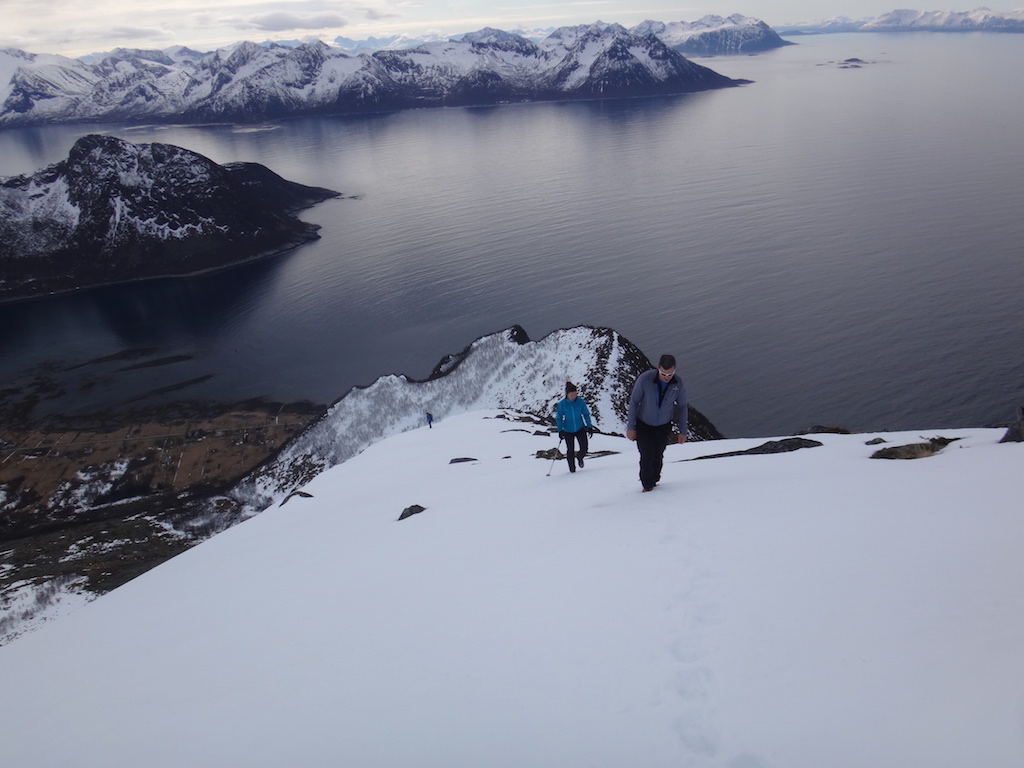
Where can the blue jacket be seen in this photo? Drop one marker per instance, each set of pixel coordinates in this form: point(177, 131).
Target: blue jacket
point(572, 416)
point(649, 405)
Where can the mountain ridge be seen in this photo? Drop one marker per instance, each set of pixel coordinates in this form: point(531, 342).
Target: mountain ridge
point(251, 82)
point(979, 20)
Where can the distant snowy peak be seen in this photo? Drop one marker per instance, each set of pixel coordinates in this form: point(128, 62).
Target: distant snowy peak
point(981, 19)
point(115, 211)
point(714, 35)
point(500, 370)
point(249, 82)
point(490, 36)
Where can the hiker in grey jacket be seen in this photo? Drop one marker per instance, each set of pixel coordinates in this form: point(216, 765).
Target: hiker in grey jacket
point(658, 401)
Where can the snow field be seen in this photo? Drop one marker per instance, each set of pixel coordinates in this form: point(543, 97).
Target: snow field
point(782, 611)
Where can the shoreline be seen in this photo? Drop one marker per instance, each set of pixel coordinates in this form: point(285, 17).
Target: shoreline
point(283, 250)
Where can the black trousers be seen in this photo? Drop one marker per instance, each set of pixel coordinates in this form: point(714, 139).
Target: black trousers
point(651, 442)
point(570, 452)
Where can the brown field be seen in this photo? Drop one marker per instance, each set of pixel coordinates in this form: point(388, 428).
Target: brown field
point(99, 499)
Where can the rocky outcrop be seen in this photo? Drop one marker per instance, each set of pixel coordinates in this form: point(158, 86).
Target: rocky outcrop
point(504, 370)
point(772, 446)
point(117, 212)
point(1015, 431)
point(914, 450)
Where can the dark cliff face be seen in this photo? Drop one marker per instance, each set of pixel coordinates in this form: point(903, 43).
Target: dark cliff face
point(116, 212)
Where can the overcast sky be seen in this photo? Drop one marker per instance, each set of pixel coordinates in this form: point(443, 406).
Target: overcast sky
point(74, 27)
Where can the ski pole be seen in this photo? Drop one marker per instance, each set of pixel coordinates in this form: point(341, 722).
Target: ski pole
point(554, 458)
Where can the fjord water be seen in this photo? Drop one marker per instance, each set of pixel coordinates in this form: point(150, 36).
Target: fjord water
point(827, 245)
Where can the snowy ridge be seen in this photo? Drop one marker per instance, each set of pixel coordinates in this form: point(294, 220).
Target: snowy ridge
point(980, 20)
point(815, 608)
point(954, 21)
point(502, 370)
point(250, 82)
point(714, 36)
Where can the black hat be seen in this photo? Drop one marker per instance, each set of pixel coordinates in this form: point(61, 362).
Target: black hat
point(569, 387)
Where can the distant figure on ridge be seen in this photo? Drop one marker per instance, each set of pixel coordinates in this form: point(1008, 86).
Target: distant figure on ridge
point(430, 420)
point(658, 401)
point(572, 417)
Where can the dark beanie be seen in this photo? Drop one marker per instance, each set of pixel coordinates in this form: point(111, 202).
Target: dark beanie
point(569, 387)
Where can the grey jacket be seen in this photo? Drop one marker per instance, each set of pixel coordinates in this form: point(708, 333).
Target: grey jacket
point(648, 405)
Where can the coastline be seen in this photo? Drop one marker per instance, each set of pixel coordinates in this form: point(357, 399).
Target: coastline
point(283, 250)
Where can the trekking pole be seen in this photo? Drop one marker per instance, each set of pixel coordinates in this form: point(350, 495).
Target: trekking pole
point(554, 458)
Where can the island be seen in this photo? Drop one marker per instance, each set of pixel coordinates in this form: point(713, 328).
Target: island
point(116, 212)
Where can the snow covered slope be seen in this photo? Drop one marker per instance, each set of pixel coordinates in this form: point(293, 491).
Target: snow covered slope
point(500, 370)
point(808, 609)
point(248, 81)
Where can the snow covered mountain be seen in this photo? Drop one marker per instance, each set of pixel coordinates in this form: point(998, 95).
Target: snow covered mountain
point(115, 212)
point(501, 370)
point(981, 19)
point(714, 35)
point(253, 82)
point(814, 608)
point(709, 36)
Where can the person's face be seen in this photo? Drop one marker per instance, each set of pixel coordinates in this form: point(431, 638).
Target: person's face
point(666, 375)
point(571, 395)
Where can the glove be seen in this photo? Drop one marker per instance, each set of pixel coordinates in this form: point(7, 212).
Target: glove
point(561, 435)
point(591, 431)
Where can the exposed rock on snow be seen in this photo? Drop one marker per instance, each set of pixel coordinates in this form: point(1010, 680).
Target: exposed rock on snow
point(772, 446)
point(1015, 432)
point(116, 212)
point(914, 450)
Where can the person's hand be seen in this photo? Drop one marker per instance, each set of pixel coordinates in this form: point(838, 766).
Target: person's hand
point(682, 438)
point(591, 431)
point(631, 434)
point(561, 435)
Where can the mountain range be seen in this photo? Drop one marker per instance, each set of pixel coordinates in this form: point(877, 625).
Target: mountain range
point(252, 82)
point(710, 35)
point(979, 20)
point(115, 212)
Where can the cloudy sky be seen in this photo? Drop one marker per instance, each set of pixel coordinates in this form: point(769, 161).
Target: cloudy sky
point(74, 28)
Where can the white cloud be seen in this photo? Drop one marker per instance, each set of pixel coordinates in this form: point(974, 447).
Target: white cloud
point(285, 22)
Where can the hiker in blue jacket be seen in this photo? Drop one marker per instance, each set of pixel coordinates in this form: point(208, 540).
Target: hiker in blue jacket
point(572, 417)
point(658, 401)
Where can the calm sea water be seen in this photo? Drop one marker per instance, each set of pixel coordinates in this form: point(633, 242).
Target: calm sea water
point(825, 246)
